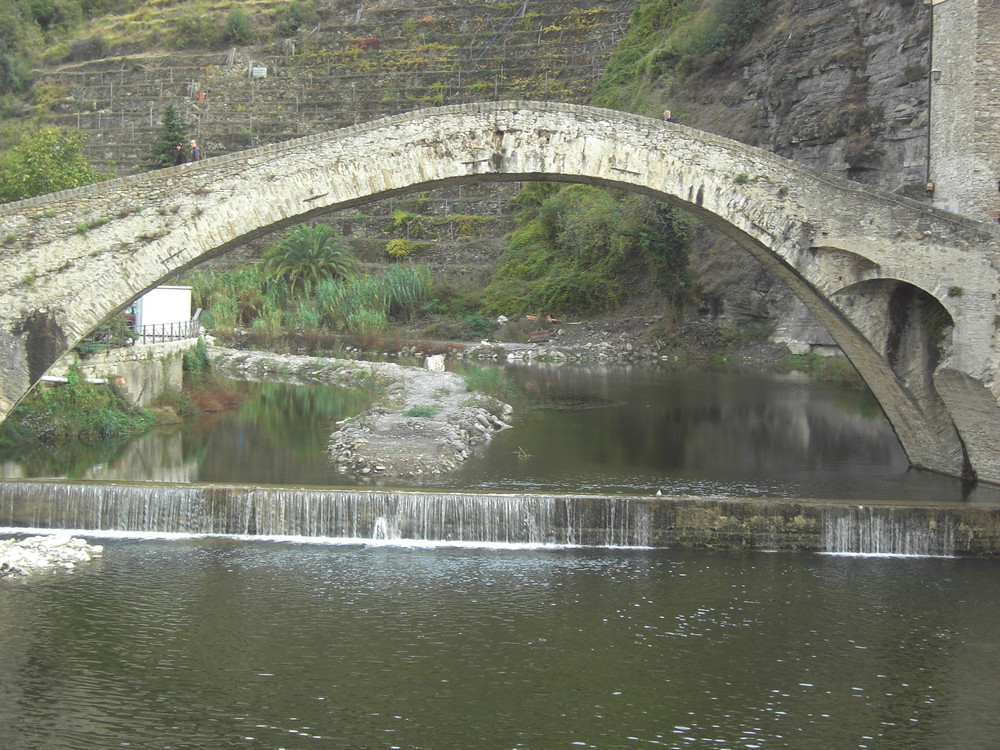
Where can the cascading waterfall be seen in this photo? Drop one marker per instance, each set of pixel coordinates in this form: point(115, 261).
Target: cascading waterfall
point(500, 519)
point(339, 514)
point(888, 530)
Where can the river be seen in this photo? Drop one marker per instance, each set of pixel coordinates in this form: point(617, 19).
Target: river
point(180, 641)
point(676, 428)
point(221, 643)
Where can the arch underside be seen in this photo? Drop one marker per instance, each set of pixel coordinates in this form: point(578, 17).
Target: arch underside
point(206, 212)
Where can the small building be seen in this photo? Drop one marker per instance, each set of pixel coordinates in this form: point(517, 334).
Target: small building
point(144, 357)
point(162, 306)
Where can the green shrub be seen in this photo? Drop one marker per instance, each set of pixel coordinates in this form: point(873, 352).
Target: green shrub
point(43, 161)
point(179, 401)
point(269, 321)
point(307, 255)
point(454, 297)
point(405, 287)
point(667, 38)
point(237, 28)
point(195, 361)
point(739, 17)
point(366, 320)
point(400, 248)
point(578, 249)
point(256, 297)
point(451, 330)
point(296, 15)
point(465, 225)
point(76, 409)
point(477, 326)
point(415, 225)
point(306, 317)
point(234, 298)
point(196, 27)
point(92, 48)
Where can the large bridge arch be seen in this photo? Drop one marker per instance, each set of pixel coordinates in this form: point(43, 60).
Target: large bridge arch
point(70, 259)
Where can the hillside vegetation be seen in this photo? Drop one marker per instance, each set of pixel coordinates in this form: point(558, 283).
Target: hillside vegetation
point(842, 89)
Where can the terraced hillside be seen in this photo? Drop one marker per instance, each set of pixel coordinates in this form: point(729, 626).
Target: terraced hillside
point(352, 65)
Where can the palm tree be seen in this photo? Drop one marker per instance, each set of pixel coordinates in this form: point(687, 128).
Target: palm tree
point(307, 255)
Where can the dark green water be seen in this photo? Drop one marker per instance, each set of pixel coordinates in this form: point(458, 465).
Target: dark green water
point(230, 644)
point(677, 428)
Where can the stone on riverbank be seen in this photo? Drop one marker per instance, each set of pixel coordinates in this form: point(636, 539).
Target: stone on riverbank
point(37, 553)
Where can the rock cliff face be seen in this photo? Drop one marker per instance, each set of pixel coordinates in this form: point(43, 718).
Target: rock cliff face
point(841, 87)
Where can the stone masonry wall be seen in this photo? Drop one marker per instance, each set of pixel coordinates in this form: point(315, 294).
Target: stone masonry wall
point(355, 65)
point(987, 136)
point(141, 372)
point(960, 160)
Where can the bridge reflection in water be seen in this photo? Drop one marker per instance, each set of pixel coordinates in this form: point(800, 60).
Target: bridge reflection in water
point(404, 517)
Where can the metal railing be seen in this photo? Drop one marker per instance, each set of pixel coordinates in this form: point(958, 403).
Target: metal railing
point(154, 334)
point(123, 334)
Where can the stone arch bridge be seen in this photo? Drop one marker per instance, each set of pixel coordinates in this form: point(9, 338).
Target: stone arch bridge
point(909, 293)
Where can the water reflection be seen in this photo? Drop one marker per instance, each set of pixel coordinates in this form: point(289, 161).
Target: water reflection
point(156, 457)
point(673, 427)
point(703, 431)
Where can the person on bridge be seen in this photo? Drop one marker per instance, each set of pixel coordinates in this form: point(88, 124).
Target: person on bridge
point(667, 117)
point(179, 157)
point(195, 151)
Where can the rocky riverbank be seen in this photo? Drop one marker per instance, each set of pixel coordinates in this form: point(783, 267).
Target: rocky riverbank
point(427, 421)
point(38, 553)
point(621, 339)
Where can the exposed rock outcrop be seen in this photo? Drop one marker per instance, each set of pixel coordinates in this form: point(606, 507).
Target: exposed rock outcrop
point(843, 89)
point(38, 553)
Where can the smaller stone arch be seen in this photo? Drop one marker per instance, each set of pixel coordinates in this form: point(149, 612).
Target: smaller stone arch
point(911, 330)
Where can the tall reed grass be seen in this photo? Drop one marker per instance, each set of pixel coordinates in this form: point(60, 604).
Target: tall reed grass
point(249, 297)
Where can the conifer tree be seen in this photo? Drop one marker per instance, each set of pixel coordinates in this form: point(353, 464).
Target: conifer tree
point(173, 130)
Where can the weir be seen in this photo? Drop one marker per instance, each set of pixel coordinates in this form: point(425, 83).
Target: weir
point(502, 519)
